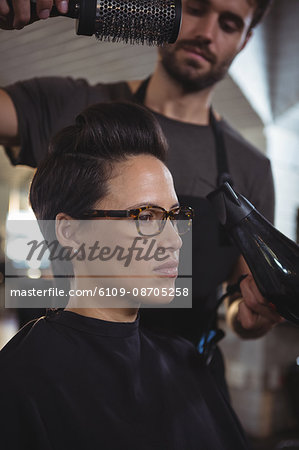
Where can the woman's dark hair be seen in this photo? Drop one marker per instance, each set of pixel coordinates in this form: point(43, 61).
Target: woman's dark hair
point(74, 174)
point(262, 7)
point(81, 159)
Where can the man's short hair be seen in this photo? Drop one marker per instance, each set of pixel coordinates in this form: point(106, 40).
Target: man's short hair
point(262, 7)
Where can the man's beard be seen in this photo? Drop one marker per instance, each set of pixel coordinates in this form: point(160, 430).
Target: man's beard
point(186, 78)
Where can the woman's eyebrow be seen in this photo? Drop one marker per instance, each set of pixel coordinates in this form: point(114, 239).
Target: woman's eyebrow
point(141, 205)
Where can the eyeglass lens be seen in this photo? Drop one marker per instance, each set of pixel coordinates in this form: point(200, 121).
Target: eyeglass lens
point(152, 220)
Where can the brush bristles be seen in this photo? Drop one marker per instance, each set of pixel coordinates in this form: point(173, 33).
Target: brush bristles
point(139, 40)
point(150, 22)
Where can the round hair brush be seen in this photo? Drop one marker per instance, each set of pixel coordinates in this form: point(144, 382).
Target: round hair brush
point(151, 22)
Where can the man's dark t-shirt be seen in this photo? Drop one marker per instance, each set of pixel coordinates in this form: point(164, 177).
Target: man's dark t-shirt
point(46, 105)
point(74, 382)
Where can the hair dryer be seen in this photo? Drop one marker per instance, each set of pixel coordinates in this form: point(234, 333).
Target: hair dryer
point(154, 22)
point(272, 258)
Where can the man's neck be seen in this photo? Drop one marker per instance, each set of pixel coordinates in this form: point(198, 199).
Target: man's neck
point(167, 97)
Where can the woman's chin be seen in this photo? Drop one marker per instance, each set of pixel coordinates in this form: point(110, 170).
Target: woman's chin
point(160, 292)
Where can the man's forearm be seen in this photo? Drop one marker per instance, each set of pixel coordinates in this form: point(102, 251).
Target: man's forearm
point(8, 121)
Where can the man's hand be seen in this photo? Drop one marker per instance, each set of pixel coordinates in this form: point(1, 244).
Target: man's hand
point(17, 13)
point(255, 314)
point(251, 315)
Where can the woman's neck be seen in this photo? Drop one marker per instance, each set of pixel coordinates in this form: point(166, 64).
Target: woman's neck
point(111, 309)
point(108, 314)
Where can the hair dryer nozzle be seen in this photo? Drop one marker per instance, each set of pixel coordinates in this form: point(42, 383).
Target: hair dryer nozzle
point(230, 207)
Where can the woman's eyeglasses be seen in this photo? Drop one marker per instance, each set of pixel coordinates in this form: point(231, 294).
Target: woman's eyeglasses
point(150, 220)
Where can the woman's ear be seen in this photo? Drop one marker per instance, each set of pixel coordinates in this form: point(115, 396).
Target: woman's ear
point(66, 231)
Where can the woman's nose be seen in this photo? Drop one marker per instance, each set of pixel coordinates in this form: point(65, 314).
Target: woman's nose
point(170, 238)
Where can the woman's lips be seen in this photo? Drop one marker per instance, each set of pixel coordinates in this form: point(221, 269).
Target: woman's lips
point(169, 269)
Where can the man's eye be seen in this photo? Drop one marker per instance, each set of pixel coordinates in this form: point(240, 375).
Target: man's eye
point(229, 27)
point(193, 11)
point(194, 8)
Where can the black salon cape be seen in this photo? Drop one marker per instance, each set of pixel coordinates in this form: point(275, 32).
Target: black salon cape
point(72, 382)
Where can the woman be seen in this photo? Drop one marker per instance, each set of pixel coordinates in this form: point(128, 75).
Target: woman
point(90, 377)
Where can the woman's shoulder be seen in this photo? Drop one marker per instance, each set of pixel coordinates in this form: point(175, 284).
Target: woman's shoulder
point(37, 348)
point(19, 343)
point(172, 345)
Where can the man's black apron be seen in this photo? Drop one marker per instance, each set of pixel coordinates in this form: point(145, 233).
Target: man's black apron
point(213, 256)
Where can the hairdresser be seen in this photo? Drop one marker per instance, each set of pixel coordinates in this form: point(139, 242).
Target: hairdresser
point(204, 149)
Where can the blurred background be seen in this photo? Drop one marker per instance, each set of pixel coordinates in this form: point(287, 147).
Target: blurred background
point(260, 98)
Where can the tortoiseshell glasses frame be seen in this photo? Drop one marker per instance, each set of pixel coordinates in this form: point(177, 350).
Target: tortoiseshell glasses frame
point(150, 220)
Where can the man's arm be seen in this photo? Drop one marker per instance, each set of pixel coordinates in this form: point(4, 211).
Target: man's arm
point(8, 120)
point(248, 313)
point(16, 14)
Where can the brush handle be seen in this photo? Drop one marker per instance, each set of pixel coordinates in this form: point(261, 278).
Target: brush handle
point(82, 10)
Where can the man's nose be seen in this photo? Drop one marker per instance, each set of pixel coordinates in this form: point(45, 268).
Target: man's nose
point(206, 27)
